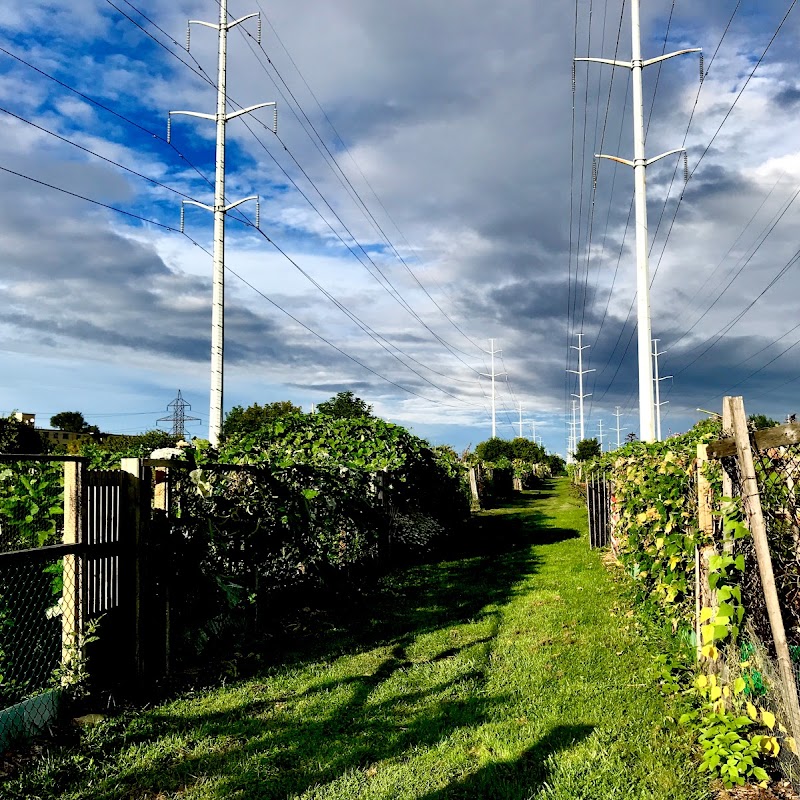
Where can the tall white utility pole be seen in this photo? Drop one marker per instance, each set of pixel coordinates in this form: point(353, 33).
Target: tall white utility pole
point(219, 208)
point(574, 427)
point(600, 435)
point(657, 382)
point(520, 423)
point(493, 375)
point(580, 372)
point(647, 431)
point(618, 414)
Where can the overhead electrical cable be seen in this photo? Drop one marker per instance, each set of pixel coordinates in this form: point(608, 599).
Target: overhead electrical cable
point(109, 110)
point(724, 120)
point(331, 161)
point(346, 149)
point(272, 302)
point(392, 291)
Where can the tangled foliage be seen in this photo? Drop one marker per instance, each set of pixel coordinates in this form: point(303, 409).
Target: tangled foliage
point(657, 531)
point(306, 503)
point(655, 497)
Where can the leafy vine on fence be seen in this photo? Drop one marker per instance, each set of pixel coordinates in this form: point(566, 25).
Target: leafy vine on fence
point(657, 536)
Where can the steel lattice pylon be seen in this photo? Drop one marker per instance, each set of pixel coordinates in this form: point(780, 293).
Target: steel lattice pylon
point(179, 417)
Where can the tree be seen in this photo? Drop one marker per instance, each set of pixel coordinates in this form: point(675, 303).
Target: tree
point(493, 449)
point(587, 449)
point(557, 464)
point(758, 422)
point(526, 450)
point(72, 421)
point(255, 417)
point(19, 437)
point(345, 404)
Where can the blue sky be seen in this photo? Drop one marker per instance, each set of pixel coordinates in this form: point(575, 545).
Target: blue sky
point(442, 197)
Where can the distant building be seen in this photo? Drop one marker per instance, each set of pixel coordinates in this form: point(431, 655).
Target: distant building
point(49, 434)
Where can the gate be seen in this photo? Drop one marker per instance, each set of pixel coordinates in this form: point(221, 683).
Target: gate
point(598, 501)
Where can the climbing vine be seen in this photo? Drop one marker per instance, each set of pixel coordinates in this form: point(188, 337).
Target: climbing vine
point(657, 537)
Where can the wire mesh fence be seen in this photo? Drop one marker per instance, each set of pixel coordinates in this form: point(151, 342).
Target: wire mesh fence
point(776, 472)
point(39, 631)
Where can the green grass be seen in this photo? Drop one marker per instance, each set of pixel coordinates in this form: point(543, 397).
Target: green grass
point(511, 672)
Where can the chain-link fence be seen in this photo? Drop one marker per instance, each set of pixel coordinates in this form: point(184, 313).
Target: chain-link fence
point(39, 635)
point(776, 472)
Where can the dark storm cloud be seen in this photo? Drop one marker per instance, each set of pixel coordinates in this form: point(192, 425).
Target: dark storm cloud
point(460, 118)
point(788, 97)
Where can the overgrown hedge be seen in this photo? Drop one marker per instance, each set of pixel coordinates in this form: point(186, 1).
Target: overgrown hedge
point(657, 532)
point(306, 504)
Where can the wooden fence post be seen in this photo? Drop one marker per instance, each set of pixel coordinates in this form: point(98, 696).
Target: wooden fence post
point(162, 498)
point(473, 487)
point(72, 602)
point(132, 520)
point(705, 523)
point(755, 518)
point(727, 481)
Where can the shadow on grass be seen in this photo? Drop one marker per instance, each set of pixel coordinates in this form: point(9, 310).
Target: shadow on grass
point(517, 779)
point(280, 744)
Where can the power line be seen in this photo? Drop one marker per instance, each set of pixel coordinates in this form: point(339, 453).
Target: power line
point(349, 186)
point(243, 280)
point(393, 291)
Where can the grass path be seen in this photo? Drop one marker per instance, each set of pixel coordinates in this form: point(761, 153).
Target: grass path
point(511, 672)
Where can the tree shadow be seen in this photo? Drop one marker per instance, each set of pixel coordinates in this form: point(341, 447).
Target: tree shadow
point(282, 743)
point(516, 779)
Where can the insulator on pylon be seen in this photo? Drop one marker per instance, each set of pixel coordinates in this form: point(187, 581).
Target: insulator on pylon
point(258, 213)
point(574, 78)
point(685, 167)
point(188, 37)
point(183, 214)
point(258, 31)
point(594, 173)
point(169, 128)
point(702, 68)
point(275, 120)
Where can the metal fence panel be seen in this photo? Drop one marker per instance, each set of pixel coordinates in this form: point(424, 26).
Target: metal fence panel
point(598, 500)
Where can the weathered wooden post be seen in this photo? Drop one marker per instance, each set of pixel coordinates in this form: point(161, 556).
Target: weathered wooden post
point(162, 498)
point(74, 591)
point(727, 481)
point(755, 519)
point(132, 522)
point(705, 523)
point(475, 505)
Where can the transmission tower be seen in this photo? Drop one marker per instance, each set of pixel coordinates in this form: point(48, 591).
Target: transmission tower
point(179, 417)
point(639, 163)
point(580, 372)
point(491, 351)
point(220, 209)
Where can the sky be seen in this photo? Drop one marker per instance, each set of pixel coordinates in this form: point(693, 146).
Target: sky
point(428, 198)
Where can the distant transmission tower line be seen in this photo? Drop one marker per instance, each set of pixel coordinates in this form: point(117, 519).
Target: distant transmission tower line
point(179, 417)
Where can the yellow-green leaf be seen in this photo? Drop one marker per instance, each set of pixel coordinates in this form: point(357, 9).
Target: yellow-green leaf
point(706, 613)
point(768, 718)
point(710, 651)
point(752, 712)
point(738, 686)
